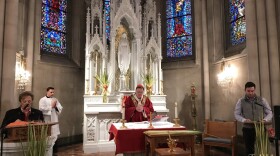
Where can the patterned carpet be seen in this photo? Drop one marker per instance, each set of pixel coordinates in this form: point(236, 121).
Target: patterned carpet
point(77, 150)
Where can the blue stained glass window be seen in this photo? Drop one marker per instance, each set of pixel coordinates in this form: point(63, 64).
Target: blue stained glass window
point(53, 26)
point(237, 25)
point(107, 18)
point(179, 28)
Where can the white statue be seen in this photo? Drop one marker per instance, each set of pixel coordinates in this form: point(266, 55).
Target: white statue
point(123, 59)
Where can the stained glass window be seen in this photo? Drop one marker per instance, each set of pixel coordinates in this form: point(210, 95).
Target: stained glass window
point(179, 28)
point(53, 26)
point(237, 23)
point(107, 17)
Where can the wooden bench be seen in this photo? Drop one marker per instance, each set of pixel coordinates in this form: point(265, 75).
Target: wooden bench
point(219, 134)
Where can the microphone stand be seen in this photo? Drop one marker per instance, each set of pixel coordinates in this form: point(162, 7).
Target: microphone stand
point(2, 139)
point(276, 145)
point(263, 106)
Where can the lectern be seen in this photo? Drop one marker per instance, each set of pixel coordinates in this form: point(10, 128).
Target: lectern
point(18, 131)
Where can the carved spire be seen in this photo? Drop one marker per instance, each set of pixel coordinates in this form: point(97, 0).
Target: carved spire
point(96, 29)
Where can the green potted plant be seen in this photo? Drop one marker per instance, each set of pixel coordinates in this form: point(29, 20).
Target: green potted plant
point(262, 142)
point(37, 139)
point(149, 81)
point(104, 82)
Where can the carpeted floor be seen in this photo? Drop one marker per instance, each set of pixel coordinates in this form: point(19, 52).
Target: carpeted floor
point(77, 150)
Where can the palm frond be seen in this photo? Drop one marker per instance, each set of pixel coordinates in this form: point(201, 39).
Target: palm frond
point(262, 142)
point(103, 79)
point(36, 143)
point(148, 79)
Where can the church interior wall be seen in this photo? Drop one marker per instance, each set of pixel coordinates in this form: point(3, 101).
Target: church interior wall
point(66, 75)
point(252, 63)
point(68, 85)
point(177, 83)
point(8, 47)
point(180, 75)
point(222, 97)
point(2, 17)
point(278, 21)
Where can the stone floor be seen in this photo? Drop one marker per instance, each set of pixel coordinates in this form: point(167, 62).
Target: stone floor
point(77, 150)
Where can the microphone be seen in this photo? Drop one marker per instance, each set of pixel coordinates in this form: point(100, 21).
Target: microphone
point(26, 106)
point(260, 104)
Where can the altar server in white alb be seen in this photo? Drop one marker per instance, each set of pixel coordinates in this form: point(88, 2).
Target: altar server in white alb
point(51, 108)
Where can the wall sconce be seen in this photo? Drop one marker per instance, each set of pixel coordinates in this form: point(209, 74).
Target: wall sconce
point(21, 74)
point(227, 75)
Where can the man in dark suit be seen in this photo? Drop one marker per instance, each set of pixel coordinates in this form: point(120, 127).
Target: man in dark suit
point(23, 113)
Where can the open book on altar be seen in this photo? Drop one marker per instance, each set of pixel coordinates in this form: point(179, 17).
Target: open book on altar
point(160, 118)
point(18, 130)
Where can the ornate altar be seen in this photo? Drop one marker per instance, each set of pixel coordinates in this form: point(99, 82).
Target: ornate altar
point(124, 42)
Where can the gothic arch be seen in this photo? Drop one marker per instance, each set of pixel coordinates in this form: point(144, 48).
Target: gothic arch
point(152, 45)
point(125, 12)
point(96, 44)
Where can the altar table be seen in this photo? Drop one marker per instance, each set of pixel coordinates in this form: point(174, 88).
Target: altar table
point(187, 137)
point(132, 139)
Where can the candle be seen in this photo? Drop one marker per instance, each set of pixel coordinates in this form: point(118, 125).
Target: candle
point(123, 112)
point(176, 111)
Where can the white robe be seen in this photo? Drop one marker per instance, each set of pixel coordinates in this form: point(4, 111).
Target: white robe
point(50, 114)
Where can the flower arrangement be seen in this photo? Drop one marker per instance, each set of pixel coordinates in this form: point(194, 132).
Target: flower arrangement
point(148, 80)
point(104, 81)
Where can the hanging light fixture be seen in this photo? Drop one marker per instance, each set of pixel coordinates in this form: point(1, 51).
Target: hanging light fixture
point(21, 74)
point(227, 75)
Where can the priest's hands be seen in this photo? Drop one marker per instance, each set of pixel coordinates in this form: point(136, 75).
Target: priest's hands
point(54, 101)
point(139, 108)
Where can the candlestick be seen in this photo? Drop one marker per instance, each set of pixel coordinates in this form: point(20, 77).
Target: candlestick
point(176, 120)
point(123, 124)
point(151, 125)
point(176, 111)
point(123, 112)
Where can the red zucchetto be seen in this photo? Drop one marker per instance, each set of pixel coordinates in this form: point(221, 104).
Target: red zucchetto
point(140, 86)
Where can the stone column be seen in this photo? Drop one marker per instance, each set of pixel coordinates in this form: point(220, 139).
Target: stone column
point(133, 60)
point(87, 75)
point(113, 63)
point(103, 63)
point(10, 47)
point(252, 42)
point(160, 75)
point(145, 64)
point(262, 49)
point(138, 69)
point(205, 60)
point(273, 51)
point(157, 76)
point(2, 18)
point(30, 39)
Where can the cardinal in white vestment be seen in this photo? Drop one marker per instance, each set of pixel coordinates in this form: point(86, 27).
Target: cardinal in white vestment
point(51, 108)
